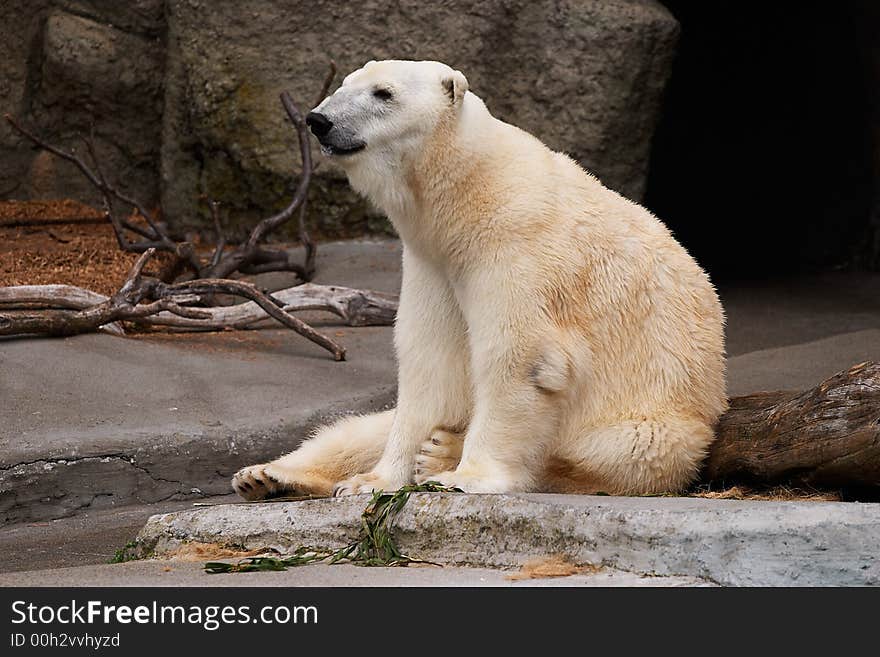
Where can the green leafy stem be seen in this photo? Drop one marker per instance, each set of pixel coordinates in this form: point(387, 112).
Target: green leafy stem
point(374, 546)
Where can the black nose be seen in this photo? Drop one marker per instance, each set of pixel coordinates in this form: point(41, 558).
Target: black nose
point(318, 123)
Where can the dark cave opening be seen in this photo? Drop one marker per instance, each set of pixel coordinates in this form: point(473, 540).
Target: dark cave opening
point(762, 162)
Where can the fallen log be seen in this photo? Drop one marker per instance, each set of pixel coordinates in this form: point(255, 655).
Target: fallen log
point(825, 437)
point(70, 297)
point(355, 307)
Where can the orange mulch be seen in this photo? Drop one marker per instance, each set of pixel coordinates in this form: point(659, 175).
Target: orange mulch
point(68, 242)
point(64, 241)
point(14, 213)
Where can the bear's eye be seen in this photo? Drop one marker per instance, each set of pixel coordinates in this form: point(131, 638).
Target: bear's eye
point(383, 94)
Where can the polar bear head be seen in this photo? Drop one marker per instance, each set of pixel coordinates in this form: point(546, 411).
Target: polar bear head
point(385, 110)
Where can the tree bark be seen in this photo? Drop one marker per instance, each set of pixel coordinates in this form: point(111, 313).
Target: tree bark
point(355, 307)
point(828, 436)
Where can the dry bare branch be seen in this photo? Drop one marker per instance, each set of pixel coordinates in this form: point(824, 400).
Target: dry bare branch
point(247, 257)
point(325, 89)
point(218, 233)
point(63, 310)
point(54, 296)
point(155, 237)
point(126, 305)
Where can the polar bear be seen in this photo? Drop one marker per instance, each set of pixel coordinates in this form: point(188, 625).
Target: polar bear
point(552, 335)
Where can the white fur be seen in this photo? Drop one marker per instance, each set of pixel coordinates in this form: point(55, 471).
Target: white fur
point(558, 325)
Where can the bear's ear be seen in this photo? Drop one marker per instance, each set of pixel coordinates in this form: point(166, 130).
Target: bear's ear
point(456, 85)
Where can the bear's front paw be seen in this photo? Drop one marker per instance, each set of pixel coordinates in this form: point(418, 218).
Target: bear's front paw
point(366, 483)
point(255, 483)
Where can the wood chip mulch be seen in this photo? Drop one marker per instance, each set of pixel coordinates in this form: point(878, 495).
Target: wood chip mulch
point(43, 242)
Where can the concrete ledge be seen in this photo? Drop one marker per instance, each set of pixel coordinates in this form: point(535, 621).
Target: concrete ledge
point(724, 541)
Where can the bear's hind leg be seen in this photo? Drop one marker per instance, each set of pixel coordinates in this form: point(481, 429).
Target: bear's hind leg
point(339, 450)
point(644, 456)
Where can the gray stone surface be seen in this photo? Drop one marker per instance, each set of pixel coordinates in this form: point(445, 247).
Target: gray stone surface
point(150, 422)
point(69, 65)
point(144, 17)
point(97, 420)
point(767, 314)
point(177, 574)
point(586, 77)
point(20, 36)
point(792, 333)
point(724, 541)
point(800, 366)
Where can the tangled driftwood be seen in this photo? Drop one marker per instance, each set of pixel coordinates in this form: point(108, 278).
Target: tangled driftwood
point(141, 297)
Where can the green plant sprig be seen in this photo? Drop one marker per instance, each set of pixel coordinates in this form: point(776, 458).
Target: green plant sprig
point(374, 546)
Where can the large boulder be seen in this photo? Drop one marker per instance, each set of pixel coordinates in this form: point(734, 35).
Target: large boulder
point(586, 76)
point(74, 64)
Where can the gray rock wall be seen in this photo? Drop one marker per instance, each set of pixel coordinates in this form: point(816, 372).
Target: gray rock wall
point(586, 77)
point(184, 93)
point(67, 65)
point(20, 32)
